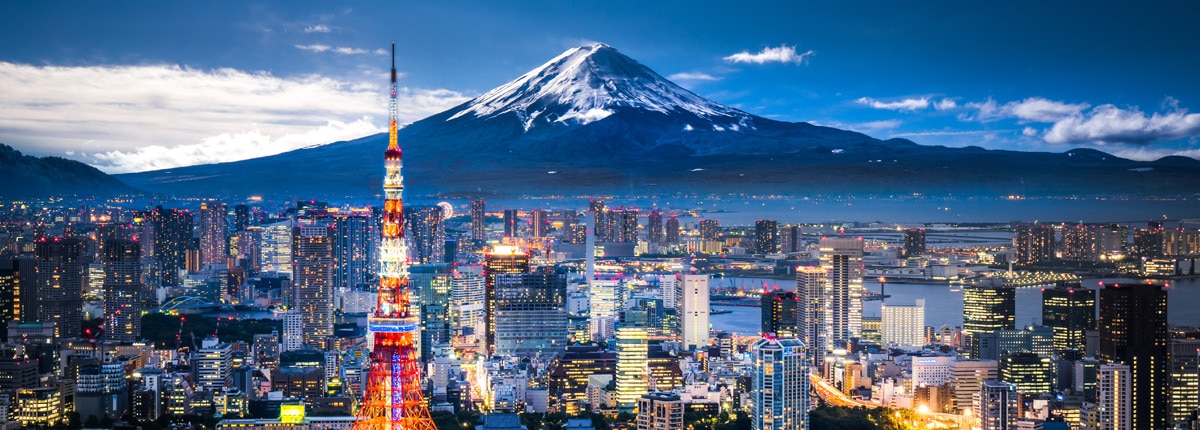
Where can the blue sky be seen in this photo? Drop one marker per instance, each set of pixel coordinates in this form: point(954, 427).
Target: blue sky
point(138, 85)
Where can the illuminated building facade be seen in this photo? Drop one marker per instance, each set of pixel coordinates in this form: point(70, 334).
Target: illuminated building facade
point(123, 290)
point(312, 280)
point(672, 231)
point(779, 385)
point(1034, 243)
point(352, 250)
point(654, 227)
point(967, 377)
point(1185, 379)
point(1133, 331)
point(997, 405)
point(427, 235)
point(59, 266)
point(632, 355)
point(780, 314)
point(502, 259)
point(172, 233)
point(903, 325)
point(433, 281)
point(275, 247)
point(1114, 395)
point(660, 411)
point(569, 372)
point(914, 242)
point(1031, 373)
point(842, 260)
point(812, 302)
point(212, 233)
point(694, 311)
point(710, 229)
point(39, 407)
point(539, 225)
point(478, 226)
point(510, 223)
point(766, 236)
point(790, 240)
point(987, 309)
point(1070, 310)
point(531, 313)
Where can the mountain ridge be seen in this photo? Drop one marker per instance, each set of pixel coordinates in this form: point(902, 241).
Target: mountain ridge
point(26, 176)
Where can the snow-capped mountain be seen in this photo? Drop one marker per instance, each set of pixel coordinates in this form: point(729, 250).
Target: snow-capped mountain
point(589, 83)
point(593, 120)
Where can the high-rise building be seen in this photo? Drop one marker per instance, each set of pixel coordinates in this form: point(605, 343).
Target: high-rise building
point(779, 385)
point(1185, 379)
point(632, 356)
point(766, 236)
point(710, 229)
point(293, 330)
point(1133, 331)
point(10, 296)
point(812, 299)
point(502, 259)
point(1079, 243)
point(241, 218)
point(214, 364)
point(1148, 242)
point(790, 240)
point(24, 289)
point(987, 309)
point(1034, 243)
point(212, 233)
point(531, 313)
point(842, 259)
point(1032, 374)
point(172, 232)
point(996, 406)
point(467, 307)
point(672, 230)
point(914, 242)
point(433, 283)
point(427, 234)
point(604, 304)
point(626, 229)
point(352, 250)
point(539, 225)
point(903, 325)
point(1070, 310)
point(478, 226)
point(275, 247)
point(510, 223)
point(694, 310)
point(1114, 395)
point(780, 315)
point(569, 372)
point(654, 227)
point(967, 378)
point(123, 290)
point(660, 411)
point(59, 266)
point(312, 280)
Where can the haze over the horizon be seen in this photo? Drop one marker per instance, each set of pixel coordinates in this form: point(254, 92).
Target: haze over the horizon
point(144, 85)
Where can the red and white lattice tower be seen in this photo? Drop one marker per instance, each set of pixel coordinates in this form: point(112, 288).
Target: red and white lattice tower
point(393, 398)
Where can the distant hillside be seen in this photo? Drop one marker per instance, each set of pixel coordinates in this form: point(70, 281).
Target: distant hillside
point(25, 176)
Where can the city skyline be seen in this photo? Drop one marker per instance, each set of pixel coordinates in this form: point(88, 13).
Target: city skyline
point(245, 89)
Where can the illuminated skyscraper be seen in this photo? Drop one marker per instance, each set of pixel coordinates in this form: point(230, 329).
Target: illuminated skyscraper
point(539, 225)
point(59, 266)
point(914, 242)
point(10, 296)
point(903, 325)
point(241, 218)
point(694, 310)
point(1033, 374)
point(531, 313)
point(478, 228)
point(779, 314)
point(172, 231)
point(997, 405)
point(710, 229)
point(312, 280)
point(1070, 310)
point(427, 235)
point(1114, 393)
point(779, 385)
point(812, 298)
point(627, 225)
point(672, 233)
point(212, 233)
point(632, 355)
point(766, 236)
point(842, 259)
point(510, 223)
point(1185, 379)
point(1034, 243)
point(987, 309)
point(352, 250)
point(654, 227)
point(1148, 242)
point(433, 283)
point(790, 240)
point(660, 411)
point(275, 247)
point(123, 290)
point(1133, 331)
point(502, 259)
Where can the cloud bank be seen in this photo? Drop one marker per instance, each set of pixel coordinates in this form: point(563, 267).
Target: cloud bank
point(905, 104)
point(782, 54)
point(136, 118)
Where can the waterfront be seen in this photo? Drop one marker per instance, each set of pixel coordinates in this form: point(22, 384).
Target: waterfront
point(944, 306)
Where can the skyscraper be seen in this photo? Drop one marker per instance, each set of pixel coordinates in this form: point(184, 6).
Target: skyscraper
point(1185, 379)
point(914, 242)
point(1070, 310)
point(967, 377)
point(1033, 374)
point(433, 283)
point(539, 225)
point(1133, 331)
point(510, 223)
point(1114, 397)
point(478, 228)
point(766, 236)
point(903, 325)
point(812, 302)
point(710, 229)
point(654, 227)
point(123, 290)
point(212, 233)
point(10, 296)
point(842, 259)
point(241, 218)
point(530, 312)
point(275, 247)
point(997, 405)
point(312, 280)
point(628, 226)
point(59, 266)
point(987, 309)
point(632, 355)
point(1034, 243)
point(427, 234)
point(694, 310)
point(779, 385)
point(352, 250)
point(780, 315)
point(502, 259)
point(790, 240)
point(672, 231)
point(660, 411)
point(172, 238)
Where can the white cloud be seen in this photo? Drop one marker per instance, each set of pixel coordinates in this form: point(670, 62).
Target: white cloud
point(905, 104)
point(319, 28)
point(1043, 110)
point(1111, 124)
point(945, 104)
point(692, 77)
point(782, 54)
point(1029, 131)
point(135, 118)
point(344, 50)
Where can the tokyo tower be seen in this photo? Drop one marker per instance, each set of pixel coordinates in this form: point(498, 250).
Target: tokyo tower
point(393, 398)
